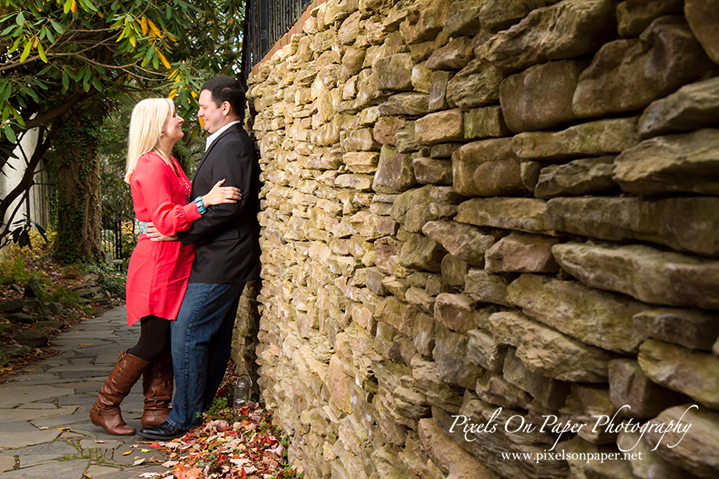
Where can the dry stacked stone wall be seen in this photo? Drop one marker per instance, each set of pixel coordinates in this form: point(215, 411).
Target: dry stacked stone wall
point(487, 204)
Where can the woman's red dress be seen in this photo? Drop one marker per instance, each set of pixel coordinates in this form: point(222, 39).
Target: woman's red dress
point(158, 271)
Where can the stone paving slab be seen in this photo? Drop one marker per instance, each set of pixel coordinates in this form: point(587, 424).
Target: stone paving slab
point(58, 469)
point(11, 395)
point(7, 463)
point(45, 452)
point(45, 429)
point(28, 414)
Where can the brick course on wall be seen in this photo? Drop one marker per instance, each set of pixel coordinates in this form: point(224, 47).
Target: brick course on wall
point(492, 211)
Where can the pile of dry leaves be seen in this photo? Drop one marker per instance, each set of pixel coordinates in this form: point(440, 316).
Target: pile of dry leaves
point(248, 448)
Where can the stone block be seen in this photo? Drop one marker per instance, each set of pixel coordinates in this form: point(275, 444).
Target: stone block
point(584, 405)
point(411, 208)
point(522, 253)
point(456, 312)
point(444, 150)
point(405, 138)
point(425, 22)
point(494, 389)
point(693, 373)
point(454, 270)
point(421, 252)
point(593, 317)
point(525, 103)
point(645, 273)
point(629, 386)
point(692, 107)
point(463, 18)
point(670, 164)
point(548, 352)
point(361, 162)
point(394, 172)
point(352, 61)
point(579, 177)
point(697, 452)
point(360, 140)
point(690, 328)
point(703, 17)
point(441, 127)
point(413, 104)
point(386, 128)
point(634, 16)
point(522, 214)
point(428, 171)
point(647, 464)
point(484, 351)
point(453, 56)
point(627, 75)
point(449, 455)
point(475, 89)
point(682, 223)
point(486, 287)
point(593, 466)
point(529, 171)
point(350, 29)
point(394, 72)
point(421, 78)
point(450, 354)
point(460, 240)
point(499, 15)
point(438, 90)
point(337, 384)
point(487, 168)
point(488, 447)
point(35, 338)
point(549, 392)
point(568, 29)
point(587, 139)
point(484, 123)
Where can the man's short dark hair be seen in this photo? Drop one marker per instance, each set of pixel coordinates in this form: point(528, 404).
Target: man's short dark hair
point(227, 89)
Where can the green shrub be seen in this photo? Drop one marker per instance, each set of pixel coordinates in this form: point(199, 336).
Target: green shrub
point(13, 271)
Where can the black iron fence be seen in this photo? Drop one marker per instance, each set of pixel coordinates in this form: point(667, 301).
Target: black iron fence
point(267, 21)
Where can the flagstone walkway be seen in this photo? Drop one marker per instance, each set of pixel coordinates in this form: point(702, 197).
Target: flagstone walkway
point(45, 429)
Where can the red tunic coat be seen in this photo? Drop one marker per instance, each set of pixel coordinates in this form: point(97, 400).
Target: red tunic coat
point(158, 271)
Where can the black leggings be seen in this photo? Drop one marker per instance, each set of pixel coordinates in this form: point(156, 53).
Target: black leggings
point(154, 338)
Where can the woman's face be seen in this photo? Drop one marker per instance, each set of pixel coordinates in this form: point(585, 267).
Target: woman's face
point(173, 127)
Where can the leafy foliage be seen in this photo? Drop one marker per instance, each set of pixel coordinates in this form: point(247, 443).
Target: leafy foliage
point(75, 56)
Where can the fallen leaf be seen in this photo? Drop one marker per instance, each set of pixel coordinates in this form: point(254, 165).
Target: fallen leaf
point(127, 453)
point(139, 461)
point(150, 474)
point(100, 442)
point(144, 450)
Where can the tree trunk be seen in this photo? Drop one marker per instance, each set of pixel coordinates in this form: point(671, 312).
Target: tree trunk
point(76, 168)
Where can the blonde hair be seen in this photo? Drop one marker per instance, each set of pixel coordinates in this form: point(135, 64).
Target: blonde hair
point(148, 118)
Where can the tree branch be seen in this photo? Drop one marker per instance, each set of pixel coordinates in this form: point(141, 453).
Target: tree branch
point(43, 119)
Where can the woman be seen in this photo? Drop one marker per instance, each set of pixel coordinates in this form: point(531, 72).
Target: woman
point(158, 271)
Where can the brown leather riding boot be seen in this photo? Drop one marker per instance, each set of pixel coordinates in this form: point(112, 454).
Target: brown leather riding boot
point(157, 387)
point(106, 411)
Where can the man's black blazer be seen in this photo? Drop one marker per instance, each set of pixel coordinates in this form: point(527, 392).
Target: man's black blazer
point(227, 235)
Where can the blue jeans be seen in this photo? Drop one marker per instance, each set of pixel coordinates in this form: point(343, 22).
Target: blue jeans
point(201, 340)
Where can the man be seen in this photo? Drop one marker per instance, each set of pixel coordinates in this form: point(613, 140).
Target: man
point(228, 255)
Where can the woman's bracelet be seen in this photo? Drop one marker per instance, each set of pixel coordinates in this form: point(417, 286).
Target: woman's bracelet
point(200, 205)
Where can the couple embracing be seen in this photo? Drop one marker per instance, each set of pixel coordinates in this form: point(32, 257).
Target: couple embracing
point(192, 261)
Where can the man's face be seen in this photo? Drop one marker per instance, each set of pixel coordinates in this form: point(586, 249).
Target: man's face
point(214, 117)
